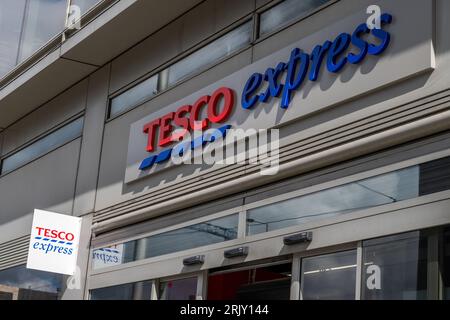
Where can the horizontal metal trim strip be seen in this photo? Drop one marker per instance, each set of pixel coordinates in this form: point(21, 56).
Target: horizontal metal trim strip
point(15, 242)
point(222, 175)
point(371, 122)
point(11, 253)
point(14, 252)
point(18, 260)
point(336, 140)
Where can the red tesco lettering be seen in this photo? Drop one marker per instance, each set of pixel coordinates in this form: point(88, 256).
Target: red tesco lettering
point(55, 234)
point(189, 117)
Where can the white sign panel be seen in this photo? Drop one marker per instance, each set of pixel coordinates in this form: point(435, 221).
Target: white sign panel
point(54, 242)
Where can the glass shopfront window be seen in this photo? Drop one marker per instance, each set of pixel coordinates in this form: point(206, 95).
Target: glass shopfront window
point(193, 236)
point(20, 283)
point(387, 188)
point(329, 277)
point(181, 289)
point(130, 291)
point(395, 267)
point(408, 183)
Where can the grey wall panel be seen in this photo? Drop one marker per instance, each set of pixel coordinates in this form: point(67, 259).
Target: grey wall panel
point(44, 118)
point(115, 144)
point(96, 105)
point(209, 17)
point(260, 3)
point(17, 227)
point(47, 183)
point(146, 56)
point(190, 29)
point(228, 11)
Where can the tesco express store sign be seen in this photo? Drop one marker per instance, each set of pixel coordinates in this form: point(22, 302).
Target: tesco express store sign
point(54, 242)
point(276, 91)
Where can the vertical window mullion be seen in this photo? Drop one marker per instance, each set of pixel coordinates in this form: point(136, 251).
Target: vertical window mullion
point(433, 266)
point(242, 224)
point(359, 268)
point(295, 277)
point(202, 285)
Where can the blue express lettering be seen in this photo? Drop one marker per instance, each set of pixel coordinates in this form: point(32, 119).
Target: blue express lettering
point(302, 65)
point(52, 248)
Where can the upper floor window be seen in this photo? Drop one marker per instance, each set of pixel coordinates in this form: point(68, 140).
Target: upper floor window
point(138, 94)
point(42, 146)
point(195, 62)
point(211, 53)
point(285, 12)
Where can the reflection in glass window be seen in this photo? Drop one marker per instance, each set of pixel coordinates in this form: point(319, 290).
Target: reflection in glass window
point(11, 18)
point(395, 268)
point(211, 53)
point(285, 12)
point(387, 188)
point(130, 291)
point(44, 19)
point(84, 5)
point(329, 277)
point(193, 236)
point(181, 289)
point(46, 144)
point(130, 98)
point(20, 283)
point(446, 265)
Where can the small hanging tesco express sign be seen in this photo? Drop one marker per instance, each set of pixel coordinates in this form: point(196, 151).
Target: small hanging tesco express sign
point(54, 242)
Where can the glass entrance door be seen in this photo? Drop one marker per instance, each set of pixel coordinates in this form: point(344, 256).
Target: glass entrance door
point(256, 283)
point(329, 277)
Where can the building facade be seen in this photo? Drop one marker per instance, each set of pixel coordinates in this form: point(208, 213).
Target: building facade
point(358, 206)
